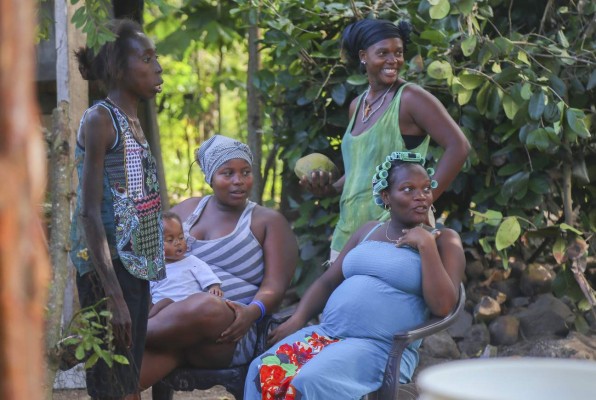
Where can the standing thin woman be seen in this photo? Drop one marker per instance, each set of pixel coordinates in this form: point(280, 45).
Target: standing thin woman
point(116, 234)
point(390, 114)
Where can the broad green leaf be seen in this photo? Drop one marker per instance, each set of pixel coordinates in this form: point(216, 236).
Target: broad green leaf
point(509, 169)
point(80, 352)
point(557, 85)
point(464, 96)
point(91, 361)
point(562, 39)
point(507, 233)
point(538, 139)
point(536, 105)
point(440, 70)
point(490, 217)
point(510, 106)
point(507, 75)
point(523, 57)
point(468, 45)
point(486, 247)
point(433, 2)
point(559, 250)
point(526, 91)
point(120, 359)
point(551, 113)
point(470, 81)
point(539, 184)
point(515, 184)
point(436, 37)
point(440, 10)
point(482, 98)
point(494, 103)
point(465, 6)
point(357, 80)
point(575, 120)
point(567, 227)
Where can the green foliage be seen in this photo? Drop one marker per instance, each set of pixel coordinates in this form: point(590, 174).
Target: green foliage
point(517, 77)
point(92, 18)
point(91, 332)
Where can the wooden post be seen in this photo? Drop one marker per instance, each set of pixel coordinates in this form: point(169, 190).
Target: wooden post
point(24, 268)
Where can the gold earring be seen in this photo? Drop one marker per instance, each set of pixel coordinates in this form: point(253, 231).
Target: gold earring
point(387, 207)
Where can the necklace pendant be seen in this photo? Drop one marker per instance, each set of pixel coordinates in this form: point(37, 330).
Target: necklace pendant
point(366, 110)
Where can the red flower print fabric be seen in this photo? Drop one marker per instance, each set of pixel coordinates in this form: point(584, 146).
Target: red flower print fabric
point(277, 370)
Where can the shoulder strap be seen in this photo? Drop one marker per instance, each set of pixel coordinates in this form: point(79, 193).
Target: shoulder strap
point(192, 218)
point(117, 126)
point(374, 228)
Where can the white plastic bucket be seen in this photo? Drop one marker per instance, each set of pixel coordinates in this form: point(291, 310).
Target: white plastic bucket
point(509, 379)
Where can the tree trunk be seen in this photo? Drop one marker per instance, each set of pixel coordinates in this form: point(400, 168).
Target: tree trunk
point(24, 268)
point(253, 111)
point(60, 193)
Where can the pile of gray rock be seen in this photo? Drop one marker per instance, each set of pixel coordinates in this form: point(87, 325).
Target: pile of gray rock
point(513, 313)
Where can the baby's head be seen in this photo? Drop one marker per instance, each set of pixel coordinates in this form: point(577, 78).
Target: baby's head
point(173, 236)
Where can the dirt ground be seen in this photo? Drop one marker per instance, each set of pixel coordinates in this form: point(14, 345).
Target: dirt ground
point(215, 393)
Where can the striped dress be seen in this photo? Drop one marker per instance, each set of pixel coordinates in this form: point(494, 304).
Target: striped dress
point(237, 260)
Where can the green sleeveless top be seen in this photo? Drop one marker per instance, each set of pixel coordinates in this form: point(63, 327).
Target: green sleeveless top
point(361, 154)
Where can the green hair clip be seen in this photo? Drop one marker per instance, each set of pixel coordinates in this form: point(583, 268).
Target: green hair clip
point(381, 175)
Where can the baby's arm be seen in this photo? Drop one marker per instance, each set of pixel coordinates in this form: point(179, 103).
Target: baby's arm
point(216, 290)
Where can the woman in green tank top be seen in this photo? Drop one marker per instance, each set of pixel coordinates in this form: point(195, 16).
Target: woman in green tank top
point(391, 115)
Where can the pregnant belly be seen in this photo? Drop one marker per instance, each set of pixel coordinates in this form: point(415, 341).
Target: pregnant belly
point(366, 307)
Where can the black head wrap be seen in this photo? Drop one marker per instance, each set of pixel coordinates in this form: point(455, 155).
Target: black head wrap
point(364, 33)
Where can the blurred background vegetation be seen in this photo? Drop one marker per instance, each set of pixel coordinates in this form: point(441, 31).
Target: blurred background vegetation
point(517, 76)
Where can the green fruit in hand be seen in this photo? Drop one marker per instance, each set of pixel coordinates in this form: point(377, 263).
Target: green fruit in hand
point(315, 162)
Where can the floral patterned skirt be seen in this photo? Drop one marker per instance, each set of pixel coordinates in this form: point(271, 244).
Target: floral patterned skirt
point(277, 370)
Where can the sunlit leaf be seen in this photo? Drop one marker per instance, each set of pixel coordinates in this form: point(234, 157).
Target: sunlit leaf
point(508, 233)
point(559, 250)
point(510, 106)
point(440, 10)
point(440, 70)
point(468, 45)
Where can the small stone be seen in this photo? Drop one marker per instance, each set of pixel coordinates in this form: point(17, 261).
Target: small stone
point(536, 279)
point(474, 342)
point(487, 309)
point(441, 345)
point(504, 330)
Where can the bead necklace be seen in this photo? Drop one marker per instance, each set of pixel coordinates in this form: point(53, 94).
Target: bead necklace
point(121, 109)
point(132, 123)
point(367, 111)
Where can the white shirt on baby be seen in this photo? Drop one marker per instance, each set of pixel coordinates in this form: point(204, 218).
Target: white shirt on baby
point(183, 278)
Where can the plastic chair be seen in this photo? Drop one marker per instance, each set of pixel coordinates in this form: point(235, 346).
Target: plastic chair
point(187, 379)
point(391, 388)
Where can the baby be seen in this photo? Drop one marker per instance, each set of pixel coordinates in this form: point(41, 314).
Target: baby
point(186, 275)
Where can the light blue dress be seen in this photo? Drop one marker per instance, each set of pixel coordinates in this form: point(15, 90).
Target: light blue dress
point(381, 294)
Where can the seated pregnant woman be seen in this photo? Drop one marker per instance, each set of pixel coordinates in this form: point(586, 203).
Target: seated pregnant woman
point(389, 276)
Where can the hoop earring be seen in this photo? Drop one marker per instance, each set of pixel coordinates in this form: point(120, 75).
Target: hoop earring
point(387, 207)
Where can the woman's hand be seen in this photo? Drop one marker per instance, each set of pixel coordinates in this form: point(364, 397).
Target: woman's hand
point(282, 331)
point(417, 236)
point(320, 184)
point(121, 322)
point(241, 324)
